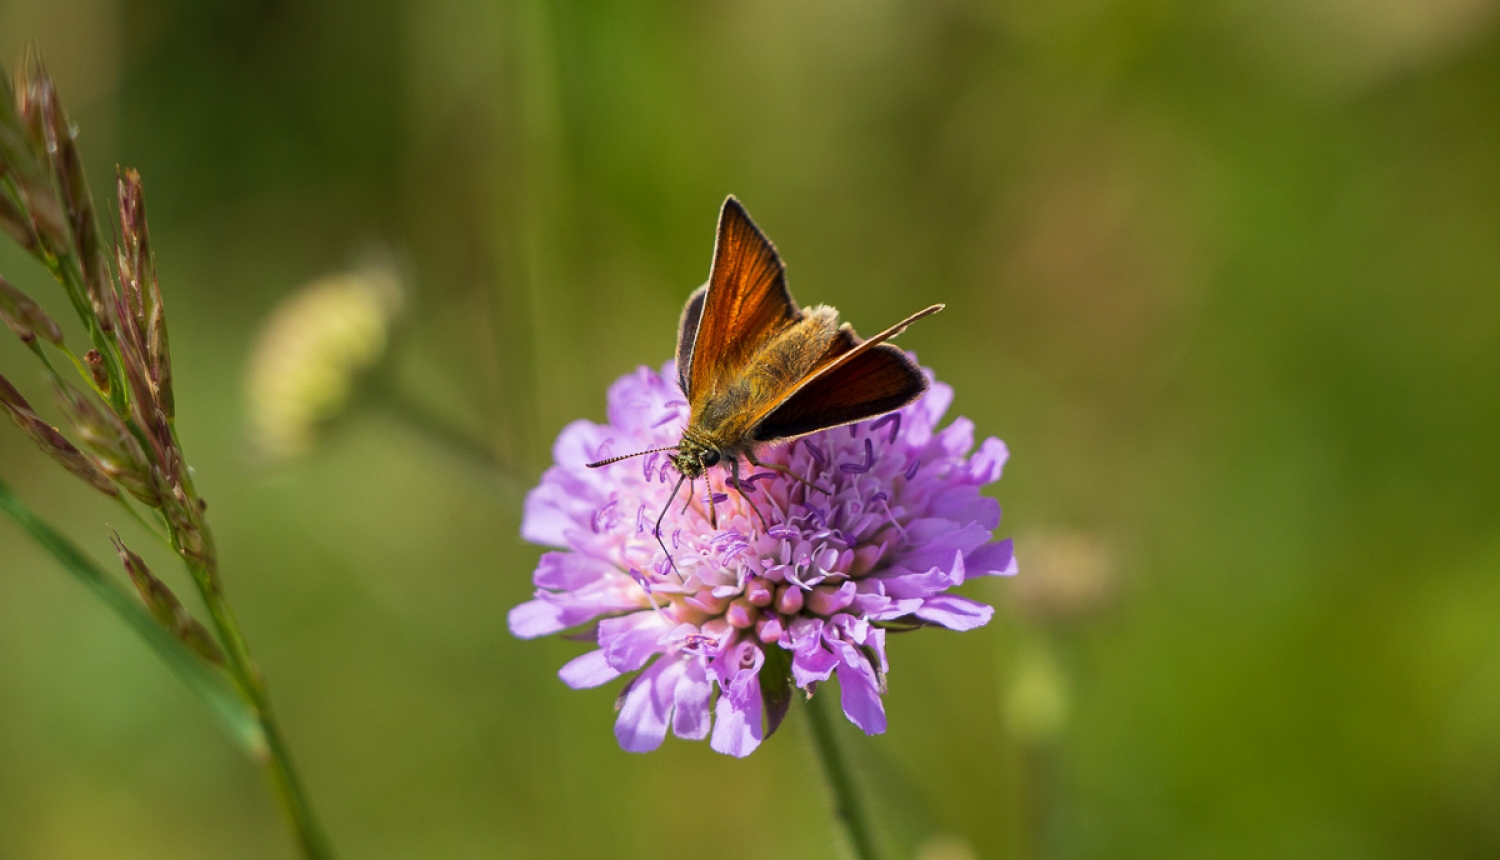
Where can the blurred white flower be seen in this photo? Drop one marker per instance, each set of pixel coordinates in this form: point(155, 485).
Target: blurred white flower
point(313, 352)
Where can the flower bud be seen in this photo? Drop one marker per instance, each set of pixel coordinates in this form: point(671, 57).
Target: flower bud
point(97, 371)
point(25, 317)
point(141, 306)
point(44, 110)
point(167, 609)
point(50, 440)
point(789, 599)
point(46, 215)
point(742, 614)
point(14, 222)
point(120, 454)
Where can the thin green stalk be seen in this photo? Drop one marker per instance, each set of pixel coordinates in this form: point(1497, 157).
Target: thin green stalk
point(277, 759)
point(442, 435)
point(848, 811)
point(71, 277)
point(152, 527)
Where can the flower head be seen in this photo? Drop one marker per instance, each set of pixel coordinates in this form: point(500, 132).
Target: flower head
point(312, 354)
point(752, 608)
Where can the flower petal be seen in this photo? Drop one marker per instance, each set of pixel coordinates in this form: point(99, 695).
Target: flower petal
point(737, 717)
point(568, 571)
point(811, 661)
point(588, 670)
point(563, 499)
point(859, 694)
point(737, 725)
point(630, 640)
point(993, 559)
point(954, 612)
point(535, 618)
point(554, 611)
point(986, 466)
point(691, 720)
point(647, 708)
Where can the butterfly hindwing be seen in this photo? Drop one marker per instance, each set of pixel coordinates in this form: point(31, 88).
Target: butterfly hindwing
point(869, 379)
point(874, 382)
point(687, 332)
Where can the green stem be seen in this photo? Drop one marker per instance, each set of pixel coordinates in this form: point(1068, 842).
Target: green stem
point(442, 435)
point(277, 760)
point(847, 808)
point(151, 528)
point(68, 270)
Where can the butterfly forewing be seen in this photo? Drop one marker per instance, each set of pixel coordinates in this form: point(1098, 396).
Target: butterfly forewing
point(757, 369)
point(746, 304)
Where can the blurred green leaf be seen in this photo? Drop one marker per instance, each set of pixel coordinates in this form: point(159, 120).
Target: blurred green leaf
point(212, 688)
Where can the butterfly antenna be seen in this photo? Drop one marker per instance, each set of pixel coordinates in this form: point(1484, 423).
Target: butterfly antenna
point(606, 462)
point(664, 508)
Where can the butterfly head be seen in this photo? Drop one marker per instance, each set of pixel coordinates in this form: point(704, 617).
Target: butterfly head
point(694, 457)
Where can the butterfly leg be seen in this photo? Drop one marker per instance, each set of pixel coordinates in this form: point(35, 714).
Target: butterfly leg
point(734, 470)
point(664, 508)
point(713, 512)
point(788, 472)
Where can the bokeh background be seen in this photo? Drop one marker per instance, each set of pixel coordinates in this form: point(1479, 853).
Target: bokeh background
point(1223, 275)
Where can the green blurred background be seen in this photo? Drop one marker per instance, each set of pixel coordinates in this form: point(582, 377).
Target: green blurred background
point(1223, 275)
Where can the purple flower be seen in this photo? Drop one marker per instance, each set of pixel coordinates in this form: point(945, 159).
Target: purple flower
point(748, 609)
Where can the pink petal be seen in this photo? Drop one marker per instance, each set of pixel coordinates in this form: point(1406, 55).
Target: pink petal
point(988, 463)
point(647, 708)
point(535, 618)
point(860, 697)
point(630, 640)
point(691, 720)
point(994, 559)
point(588, 670)
point(954, 612)
point(737, 723)
point(568, 571)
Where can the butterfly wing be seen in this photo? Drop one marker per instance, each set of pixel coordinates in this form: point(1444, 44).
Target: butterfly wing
point(861, 381)
point(746, 304)
point(687, 332)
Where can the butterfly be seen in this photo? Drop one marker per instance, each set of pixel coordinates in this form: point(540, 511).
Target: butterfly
point(756, 369)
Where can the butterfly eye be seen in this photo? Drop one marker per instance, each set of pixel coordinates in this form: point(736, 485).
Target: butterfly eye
point(711, 458)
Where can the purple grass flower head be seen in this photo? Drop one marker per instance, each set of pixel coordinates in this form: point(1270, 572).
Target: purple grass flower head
point(718, 633)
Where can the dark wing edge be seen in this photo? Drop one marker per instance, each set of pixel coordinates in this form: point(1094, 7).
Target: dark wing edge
point(868, 380)
point(747, 299)
point(879, 380)
point(687, 333)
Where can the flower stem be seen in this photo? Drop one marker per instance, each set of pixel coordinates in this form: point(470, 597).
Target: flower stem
point(847, 809)
point(458, 445)
point(278, 760)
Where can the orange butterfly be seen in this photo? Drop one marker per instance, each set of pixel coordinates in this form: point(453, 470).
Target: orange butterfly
point(757, 369)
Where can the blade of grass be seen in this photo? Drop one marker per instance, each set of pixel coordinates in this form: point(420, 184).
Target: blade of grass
point(202, 680)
